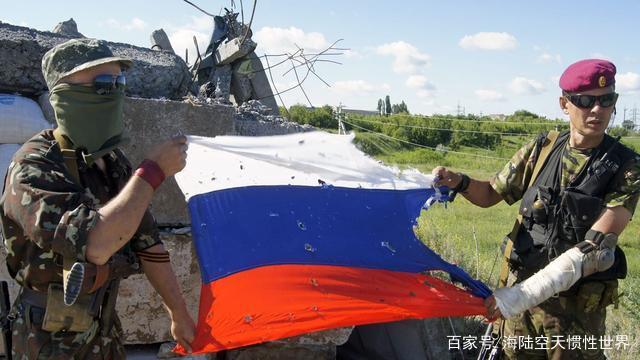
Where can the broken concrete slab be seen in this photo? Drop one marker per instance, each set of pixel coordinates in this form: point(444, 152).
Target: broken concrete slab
point(260, 84)
point(155, 74)
point(160, 41)
point(241, 87)
point(270, 351)
point(222, 81)
point(149, 122)
point(233, 50)
point(257, 127)
point(144, 318)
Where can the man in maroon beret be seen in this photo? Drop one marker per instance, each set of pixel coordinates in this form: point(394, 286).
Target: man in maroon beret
point(579, 189)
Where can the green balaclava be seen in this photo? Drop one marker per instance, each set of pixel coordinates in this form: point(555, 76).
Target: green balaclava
point(92, 122)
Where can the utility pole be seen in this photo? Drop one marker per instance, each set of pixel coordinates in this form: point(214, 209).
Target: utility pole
point(339, 115)
point(460, 110)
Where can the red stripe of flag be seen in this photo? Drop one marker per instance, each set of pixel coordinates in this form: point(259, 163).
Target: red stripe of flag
point(274, 302)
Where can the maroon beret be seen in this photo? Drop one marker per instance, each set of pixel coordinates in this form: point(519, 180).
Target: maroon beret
point(587, 75)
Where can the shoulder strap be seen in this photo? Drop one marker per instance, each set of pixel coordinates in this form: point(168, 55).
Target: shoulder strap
point(71, 162)
point(68, 154)
point(545, 150)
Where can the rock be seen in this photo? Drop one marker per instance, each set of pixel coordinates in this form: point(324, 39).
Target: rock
point(68, 28)
point(155, 74)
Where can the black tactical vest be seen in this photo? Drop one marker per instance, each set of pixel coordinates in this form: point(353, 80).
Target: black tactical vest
point(555, 219)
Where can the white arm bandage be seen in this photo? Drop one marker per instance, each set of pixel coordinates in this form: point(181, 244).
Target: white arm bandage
point(556, 277)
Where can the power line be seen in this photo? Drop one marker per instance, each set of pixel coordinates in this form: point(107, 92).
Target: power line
point(550, 123)
point(442, 129)
point(423, 146)
point(196, 6)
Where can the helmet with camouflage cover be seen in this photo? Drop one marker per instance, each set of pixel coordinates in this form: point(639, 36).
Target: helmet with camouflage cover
point(76, 55)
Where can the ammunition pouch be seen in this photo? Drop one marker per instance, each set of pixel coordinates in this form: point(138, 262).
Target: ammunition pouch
point(97, 298)
point(580, 211)
point(58, 316)
point(596, 295)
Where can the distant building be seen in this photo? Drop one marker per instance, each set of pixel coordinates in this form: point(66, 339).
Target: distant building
point(351, 111)
point(360, 112)
point(497, 117)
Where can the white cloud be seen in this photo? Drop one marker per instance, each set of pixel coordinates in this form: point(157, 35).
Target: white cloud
point(628, 82)
point(407, 58)
point(416, 81)
point(546, 58)
point(274, 40)
point(489, 95)
point(424, 87)
point(181, 37)
point(358, 87)
point(426, 93)
point(352, 54)
point(523, 86)
point(488, 41)
point(135, 24)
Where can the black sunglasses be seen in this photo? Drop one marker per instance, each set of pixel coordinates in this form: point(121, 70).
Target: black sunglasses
point(105, 84)
point(589, 101)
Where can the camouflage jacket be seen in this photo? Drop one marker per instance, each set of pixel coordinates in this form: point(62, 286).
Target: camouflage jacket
point(511, 181)
point(46, 215)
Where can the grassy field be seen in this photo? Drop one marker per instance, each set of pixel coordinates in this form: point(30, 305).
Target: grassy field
point(470, 236)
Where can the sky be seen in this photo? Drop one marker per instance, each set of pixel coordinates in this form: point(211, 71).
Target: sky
point(480, 57)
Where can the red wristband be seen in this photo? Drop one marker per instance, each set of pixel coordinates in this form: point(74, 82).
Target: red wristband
point(150, 172)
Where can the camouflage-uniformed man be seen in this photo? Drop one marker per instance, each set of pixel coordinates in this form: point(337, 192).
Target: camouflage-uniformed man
point(49, 215)
point(588, 186)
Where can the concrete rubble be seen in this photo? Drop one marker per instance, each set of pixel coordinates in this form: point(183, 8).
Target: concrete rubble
point(154, 111)
point(160, 41)
point(155, 74)
point(68, 28)
point(232, 68)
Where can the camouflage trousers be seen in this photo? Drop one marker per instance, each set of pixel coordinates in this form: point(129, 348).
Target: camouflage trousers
point(557, 328)
point(31, 342)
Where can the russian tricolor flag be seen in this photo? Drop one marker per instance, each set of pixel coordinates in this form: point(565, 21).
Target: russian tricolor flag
point(302, 233)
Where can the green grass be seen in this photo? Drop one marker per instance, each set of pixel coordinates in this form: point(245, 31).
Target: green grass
point(455, 232)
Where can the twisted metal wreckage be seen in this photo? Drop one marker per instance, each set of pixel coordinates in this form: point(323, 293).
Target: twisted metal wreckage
point(230, 65)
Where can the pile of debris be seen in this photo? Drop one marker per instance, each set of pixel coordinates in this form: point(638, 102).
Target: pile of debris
point(229, 72)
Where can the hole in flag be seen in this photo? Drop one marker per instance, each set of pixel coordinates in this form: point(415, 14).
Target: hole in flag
point(386, 244)
point(301, 225)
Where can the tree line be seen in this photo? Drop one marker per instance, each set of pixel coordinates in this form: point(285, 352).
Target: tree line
point(385, 108)
point(449, 131)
